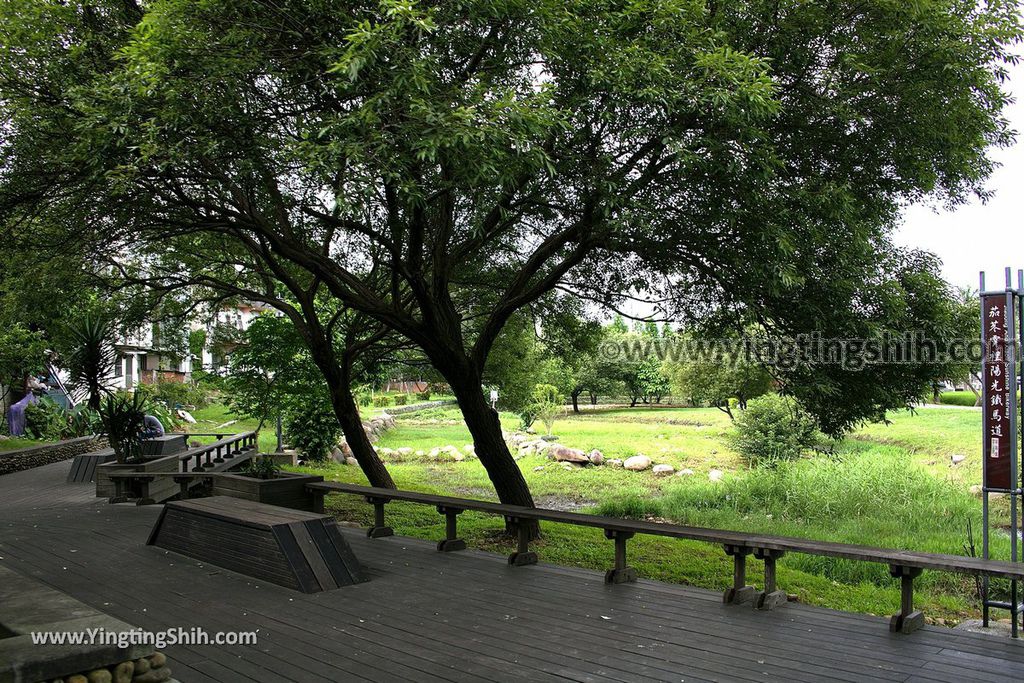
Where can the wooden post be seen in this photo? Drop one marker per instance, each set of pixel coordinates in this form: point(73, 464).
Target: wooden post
point(318, 501)
point(198, 467)
point(740, 591)
point(379, 529)
point(522, 556)
point(451, 541)
point(220, 456)
point(770, 597)
point(621, 572)
point(908, 620)
point(183, 483)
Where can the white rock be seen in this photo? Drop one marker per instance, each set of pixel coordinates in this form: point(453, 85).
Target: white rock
point(566, 454)
point(613, 462)
point(685, 472)
point(420, 454)
point(596, 457)
point(538, 468)
point(716, 475)
point(638, 463)
point(434, 452)
point(404, 451)
point(351, 461)
point(663, 470)
point(957, 458)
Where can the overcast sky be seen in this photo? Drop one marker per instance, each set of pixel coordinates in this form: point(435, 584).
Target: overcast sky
point(964, 238)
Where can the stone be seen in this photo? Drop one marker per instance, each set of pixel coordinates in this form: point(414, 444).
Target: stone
point(142, 665)
point(77, 678)
point(663, 470)
point(685, 472)
point(638, 463)
point(157, 659)
point(404, 451)
point(434, 452)
point(596, 457)
point(716, 475)
point(99, 676)
point(613, 462)
point(123, 672)
point(567, 465)
point(957, 458)
point(153, 676)
point(420, 454)
point(976, 490)
point(351, 461)
point(538, 468)
point(561, 453)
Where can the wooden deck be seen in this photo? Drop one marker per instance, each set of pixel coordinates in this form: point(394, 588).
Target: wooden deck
point(462, 616)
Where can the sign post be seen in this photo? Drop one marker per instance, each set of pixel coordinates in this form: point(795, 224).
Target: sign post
point(1002, 335)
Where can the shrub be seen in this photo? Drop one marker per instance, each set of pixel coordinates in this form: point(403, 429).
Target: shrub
point(382, 401)
point(83, 421)
point(45, 420)
point(263, 467)
point(423, 395)
point(958, 398)
point(123, 415)
point(178, 393)
point(313, 427)
point(547, 404)
point(773, 429)
point(401, 400)
point(364, 397)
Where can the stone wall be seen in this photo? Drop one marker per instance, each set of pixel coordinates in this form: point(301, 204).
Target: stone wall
point(398, 410)
point(35, 456)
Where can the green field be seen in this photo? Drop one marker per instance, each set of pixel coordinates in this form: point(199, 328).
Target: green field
point(888, 485)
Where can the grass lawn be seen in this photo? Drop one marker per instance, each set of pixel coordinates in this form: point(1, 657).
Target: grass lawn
point(14, 442)
point(890, 485)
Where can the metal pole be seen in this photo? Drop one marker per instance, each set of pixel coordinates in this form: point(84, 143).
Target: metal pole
point(280, 434)
point(1011, 367)
point(984, 460)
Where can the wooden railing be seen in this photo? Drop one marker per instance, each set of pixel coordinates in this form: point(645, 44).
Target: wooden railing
point(208, 456)
point(903, 564)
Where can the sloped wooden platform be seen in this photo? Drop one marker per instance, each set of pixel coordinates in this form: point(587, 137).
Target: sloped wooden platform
point(300, 550)
point(466, 616)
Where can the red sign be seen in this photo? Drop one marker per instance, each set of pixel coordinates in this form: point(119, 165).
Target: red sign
point(998, 374)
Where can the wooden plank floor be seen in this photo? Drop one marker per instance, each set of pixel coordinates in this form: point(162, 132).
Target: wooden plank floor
point(463, 616)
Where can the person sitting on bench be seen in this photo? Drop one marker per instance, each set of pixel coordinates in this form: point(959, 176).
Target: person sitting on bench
point(151, 427)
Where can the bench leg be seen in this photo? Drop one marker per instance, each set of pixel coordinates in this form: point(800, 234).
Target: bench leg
point(771, 597)
point(451, 541)
point(740, 591)
point(379, 528)
point(318, 502)
point(908, 620)
point(522, 556)
point(621, 572)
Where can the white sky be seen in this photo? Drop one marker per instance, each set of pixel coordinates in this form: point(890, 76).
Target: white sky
point(964, 238)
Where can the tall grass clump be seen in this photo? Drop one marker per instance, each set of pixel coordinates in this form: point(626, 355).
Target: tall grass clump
point(877, 498)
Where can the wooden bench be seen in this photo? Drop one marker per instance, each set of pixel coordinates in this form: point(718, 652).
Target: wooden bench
point(83, 467)
point(903, 564)
point(301, 550)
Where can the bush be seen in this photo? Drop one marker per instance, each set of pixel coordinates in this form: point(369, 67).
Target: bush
point(178, 393)
point(401, 400)
point(314, 428)
point(263, 467)
point(123, 416)
point(364, 397)
point(84, 421)
point(958, 398)
point(774, 429)
point(423, 395)
point(547, 404)
point(45, 420)
point(382, 401)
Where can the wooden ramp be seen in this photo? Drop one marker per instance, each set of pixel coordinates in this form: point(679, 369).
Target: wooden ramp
point(292, 548)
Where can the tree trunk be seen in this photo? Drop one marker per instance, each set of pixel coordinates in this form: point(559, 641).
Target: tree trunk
point(490, 446)
point(593, 398)
point(576, 399)
point(355, 436)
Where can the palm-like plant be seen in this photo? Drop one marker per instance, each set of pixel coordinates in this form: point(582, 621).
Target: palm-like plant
point(123, 417)
point(91, 362)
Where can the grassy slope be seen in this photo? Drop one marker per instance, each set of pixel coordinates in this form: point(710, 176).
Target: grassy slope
point(13, 442)
point(888, 485)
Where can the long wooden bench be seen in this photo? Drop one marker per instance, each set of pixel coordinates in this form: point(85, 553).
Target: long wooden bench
point(300, 550)
point(903, 564)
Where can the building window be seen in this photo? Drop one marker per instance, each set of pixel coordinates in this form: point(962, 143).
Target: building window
point(119, 366)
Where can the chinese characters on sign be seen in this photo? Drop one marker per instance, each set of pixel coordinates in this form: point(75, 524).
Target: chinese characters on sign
point(998, 373)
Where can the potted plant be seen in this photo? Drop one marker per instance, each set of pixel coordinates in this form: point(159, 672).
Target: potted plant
point(123, 416)
point(263, 481)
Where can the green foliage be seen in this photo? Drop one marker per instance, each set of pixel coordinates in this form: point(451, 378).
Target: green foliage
point(22, 352)
point(381, 401)
point(173, 394)
point(959, 398)
point(91, 362)
point(196, 344)
point(83, 421)
point(263, 467)
point(313, 427)
point(547, 404)
point(725, 383)
point(122, 415)
point(773, 429)
point(401, 399)
point(45, 420)
point(423, 395)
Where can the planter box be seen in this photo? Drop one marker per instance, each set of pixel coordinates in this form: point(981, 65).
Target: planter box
point(155, 490)
point(285, 490)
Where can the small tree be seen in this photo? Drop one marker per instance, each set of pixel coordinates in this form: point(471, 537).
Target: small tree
point(547, 404)
point(122, 415)
point(91, 362)
point(774, 429)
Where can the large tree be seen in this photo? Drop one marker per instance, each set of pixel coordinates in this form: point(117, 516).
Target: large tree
point(440, 165)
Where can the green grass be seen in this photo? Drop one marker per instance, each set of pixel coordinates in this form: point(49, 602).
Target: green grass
point(958, 398)
point(208, 419)
point(14, 442)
